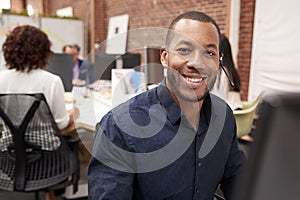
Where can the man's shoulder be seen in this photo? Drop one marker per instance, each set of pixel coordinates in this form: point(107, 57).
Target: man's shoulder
point(219, 103)
point(82, 62)
point(217, 100)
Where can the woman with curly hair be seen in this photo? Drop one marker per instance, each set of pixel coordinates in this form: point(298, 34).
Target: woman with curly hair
point(26, 52)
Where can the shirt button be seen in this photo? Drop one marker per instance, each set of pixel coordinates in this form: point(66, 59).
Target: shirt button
point(199, 164)
point(197, 191)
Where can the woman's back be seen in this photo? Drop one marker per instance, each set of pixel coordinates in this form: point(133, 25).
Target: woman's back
point(26, 52)
point(38, 81)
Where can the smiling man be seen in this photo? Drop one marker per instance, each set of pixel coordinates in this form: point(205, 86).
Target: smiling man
point(193, 53)
point(175, 141)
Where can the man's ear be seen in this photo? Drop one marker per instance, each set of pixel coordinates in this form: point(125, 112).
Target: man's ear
point(164, 56)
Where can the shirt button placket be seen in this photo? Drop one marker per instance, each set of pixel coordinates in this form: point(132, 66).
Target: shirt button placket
point(196, 193)
point(199, 164)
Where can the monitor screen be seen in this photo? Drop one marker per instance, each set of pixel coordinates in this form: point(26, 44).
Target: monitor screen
point(62, 65)
point(153, 68)
point(104, 63)
point(273, 168)
point(131, 60)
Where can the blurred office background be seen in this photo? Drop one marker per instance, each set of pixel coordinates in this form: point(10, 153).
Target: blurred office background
point(263, 33)
point(259, 31)
point(235, 18)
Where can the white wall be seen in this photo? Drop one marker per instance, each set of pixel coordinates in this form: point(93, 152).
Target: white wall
point(275, 65)
point(234, 28)
point(62, 32)
point(7, 23)
point(59, 31)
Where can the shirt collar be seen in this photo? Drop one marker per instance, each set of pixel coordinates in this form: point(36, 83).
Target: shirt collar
point(174, 112)
point(166, 100)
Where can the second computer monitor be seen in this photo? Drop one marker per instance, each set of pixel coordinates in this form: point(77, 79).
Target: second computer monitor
point(62, 65)
point(104, 63)
point(154, 72)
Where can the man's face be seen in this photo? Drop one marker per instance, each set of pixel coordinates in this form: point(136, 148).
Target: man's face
point(192, 59)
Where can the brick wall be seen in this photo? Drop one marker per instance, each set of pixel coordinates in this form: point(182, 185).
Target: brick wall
point(159, 13)
point(79, 7)
point(37, 6)
point(142, 13)
point(17, 5)
point(245, 44)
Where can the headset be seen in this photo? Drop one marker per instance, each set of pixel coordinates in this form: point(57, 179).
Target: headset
point(222, 66)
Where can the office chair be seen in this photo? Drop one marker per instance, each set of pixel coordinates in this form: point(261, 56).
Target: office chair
point(218, 197)
point(34, 156)
point(245, 117)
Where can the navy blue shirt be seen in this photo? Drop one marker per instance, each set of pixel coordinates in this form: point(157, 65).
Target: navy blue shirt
point(146, 149)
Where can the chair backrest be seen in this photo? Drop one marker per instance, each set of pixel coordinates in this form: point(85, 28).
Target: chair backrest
point(33, 154)
point(245, 117)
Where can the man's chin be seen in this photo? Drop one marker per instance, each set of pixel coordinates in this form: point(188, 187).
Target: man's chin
point(192, 98)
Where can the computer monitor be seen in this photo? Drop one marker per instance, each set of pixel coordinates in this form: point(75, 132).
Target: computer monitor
point(62, 65)
point(131, 60)
point(104, 63)
point(273, 168)
point(154, 72)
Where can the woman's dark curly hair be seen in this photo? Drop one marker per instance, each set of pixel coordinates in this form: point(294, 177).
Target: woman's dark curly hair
point(26, 48)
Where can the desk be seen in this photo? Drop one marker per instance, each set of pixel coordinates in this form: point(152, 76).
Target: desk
point(92, 107)
point(94, 103)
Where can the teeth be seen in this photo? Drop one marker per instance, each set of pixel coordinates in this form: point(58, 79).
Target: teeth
point(194, 80)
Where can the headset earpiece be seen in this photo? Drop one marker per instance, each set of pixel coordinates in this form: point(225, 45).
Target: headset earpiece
point(221, 59)
point(226, 74)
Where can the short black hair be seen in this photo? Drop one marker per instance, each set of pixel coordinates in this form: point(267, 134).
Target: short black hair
point(193, 15)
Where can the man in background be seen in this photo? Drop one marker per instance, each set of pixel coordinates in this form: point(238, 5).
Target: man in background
point(82, 70)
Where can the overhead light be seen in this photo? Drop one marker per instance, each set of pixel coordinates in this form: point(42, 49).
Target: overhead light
point(30, 10)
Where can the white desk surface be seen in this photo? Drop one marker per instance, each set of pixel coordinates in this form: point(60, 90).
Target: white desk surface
point(94, 103)
point(92, 107)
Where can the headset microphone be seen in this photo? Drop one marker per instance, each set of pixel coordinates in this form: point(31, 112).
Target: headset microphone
point(221, 65)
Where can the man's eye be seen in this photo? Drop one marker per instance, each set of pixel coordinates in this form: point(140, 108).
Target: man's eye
point(183, 50)
point(210, 53)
